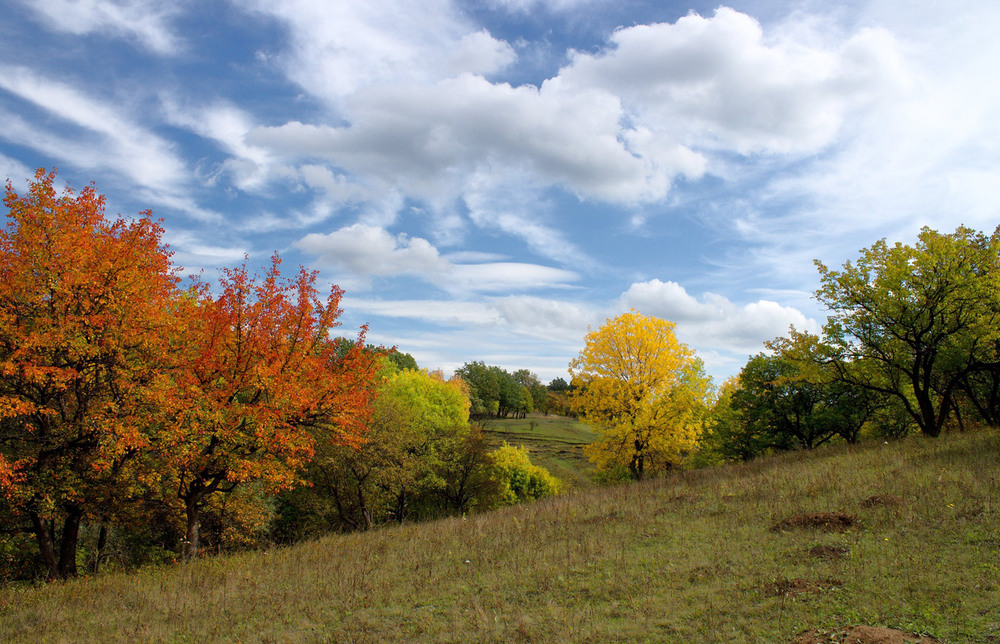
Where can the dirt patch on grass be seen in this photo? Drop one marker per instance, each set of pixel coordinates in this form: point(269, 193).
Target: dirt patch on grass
point(829, 553)
point(792, 587)
point(863, 635)
point(882, 500)
point(826, 521)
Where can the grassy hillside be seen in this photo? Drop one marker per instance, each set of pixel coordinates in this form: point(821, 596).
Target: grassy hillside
point(912, 541)
point(554, 442)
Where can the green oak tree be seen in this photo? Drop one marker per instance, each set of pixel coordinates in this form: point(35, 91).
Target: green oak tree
point(921, 319)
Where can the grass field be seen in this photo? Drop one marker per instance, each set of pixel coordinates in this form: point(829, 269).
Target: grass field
point(554, 442)
point(732, 554)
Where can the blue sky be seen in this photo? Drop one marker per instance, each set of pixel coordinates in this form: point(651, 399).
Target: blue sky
point(488, 179)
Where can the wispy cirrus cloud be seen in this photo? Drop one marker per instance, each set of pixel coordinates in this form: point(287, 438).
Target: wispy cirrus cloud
point(145, 21)
point(96, 135)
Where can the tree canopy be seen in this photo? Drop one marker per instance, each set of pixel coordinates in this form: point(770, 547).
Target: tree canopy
point(645, 393)
point(117, 387)
point(84, 305)
point(923, 320)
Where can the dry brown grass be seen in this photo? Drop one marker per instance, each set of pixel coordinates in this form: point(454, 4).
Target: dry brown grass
point(691, 558)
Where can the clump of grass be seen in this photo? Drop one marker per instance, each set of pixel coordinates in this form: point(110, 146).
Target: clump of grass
point(688, 558)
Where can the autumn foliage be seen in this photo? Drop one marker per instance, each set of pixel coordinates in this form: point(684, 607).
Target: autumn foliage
point(84, 306)
point(118, 386)
point(255, 384)
point(645, 392)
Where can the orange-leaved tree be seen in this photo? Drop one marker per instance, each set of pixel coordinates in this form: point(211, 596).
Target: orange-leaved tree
point(258, 382)
point(84, 304)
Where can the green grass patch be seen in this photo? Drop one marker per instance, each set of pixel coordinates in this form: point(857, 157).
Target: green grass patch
point(689, 558)
point(554, 442)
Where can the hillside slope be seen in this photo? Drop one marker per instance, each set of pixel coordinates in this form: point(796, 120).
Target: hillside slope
point(911, 540)
point(554, 442)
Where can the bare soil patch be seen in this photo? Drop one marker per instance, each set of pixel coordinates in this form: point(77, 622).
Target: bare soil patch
point(863, 635)
point(882, 500)
point(827, 521)
point(829, 553)
point(792, 587)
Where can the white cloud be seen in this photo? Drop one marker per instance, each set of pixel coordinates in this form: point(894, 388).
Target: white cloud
point(720, 83)
point(250, 168)
point(554, 6)
point(193, 254)
point(554, 320)
point(15, 171)
point(618, 126)
point(340, 47)
point(441, 312)
point(504, 277)
point(714, 321)
point(522, 213)
point(926, 156)
point(426, 139)
point(372, 251)
point(515, 332)
point(365, 252)
point(480, 53)
point(143, 20)
point(526, 315)
point(123, 145)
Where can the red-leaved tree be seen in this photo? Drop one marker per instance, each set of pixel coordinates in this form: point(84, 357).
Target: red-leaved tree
point(84, 313)
point(257, 382)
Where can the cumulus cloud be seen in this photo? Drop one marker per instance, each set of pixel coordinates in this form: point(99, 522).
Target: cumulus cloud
point(714, 321)
point(621, 125)
point(365, 251)
point(146, 21)
point(718, 82)
point(426, 139)
point(373, 251)
point(480, 53)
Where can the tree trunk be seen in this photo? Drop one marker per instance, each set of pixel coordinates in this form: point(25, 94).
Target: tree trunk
point(63, 566)
point(102, 541)
point(638, 464)
point(399, 513)
point(926, 419)
point(44, 538)
point(363, 506)
point(191, 535)
point(70, 538)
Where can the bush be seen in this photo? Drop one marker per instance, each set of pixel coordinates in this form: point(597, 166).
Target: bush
point(518, 478)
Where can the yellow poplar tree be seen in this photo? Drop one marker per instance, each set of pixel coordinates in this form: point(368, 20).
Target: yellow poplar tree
point(644, 392)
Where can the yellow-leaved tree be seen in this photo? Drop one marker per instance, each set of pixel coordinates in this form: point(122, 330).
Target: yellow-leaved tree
point(644, 392)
